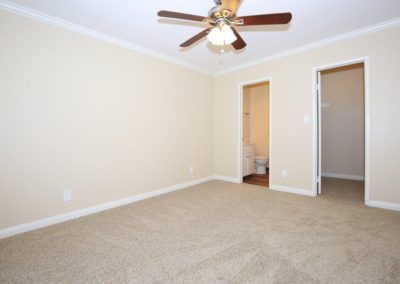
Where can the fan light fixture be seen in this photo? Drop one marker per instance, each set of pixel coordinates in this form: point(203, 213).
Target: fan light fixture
point(222, 23)
point(222, 34)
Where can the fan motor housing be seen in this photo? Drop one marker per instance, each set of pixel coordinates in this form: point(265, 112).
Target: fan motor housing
point(215, 14)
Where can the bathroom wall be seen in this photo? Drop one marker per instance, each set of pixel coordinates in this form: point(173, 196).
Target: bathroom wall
point(256, 117)
point(260, 119)
point(342, 121)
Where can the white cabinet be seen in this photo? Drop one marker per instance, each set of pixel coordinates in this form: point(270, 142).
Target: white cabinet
point(245, 167)
point(248, 160)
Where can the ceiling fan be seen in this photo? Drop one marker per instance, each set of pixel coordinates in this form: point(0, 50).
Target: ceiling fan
point(222, 20)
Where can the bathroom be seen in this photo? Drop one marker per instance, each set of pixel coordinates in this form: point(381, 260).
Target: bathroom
point(255, 135)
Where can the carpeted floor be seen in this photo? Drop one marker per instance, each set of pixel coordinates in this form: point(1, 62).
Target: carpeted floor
point(217, 232)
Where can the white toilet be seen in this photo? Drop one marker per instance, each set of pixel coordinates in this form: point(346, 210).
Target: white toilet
point(261, 165)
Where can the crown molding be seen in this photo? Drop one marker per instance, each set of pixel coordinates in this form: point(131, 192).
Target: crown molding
point(54, 21)
point(66, 25)
point(353, 34)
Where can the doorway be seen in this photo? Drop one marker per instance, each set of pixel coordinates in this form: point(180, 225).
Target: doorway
point(254, 127)
point(342, 129)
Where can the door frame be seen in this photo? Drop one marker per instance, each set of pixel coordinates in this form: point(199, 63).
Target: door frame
point(240, 123)
point(317, 121)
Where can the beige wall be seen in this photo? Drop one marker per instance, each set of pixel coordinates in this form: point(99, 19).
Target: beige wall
point(292, 98)
point(256, 125)
point(77, 113)
point(342, 121)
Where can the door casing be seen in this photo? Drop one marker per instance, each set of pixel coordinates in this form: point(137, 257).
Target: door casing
point(317, 122)
point(240, 123)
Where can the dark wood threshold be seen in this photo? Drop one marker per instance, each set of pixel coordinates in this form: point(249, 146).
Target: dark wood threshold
point(262, 180)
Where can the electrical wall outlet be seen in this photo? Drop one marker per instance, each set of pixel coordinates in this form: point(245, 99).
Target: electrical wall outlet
point(284, 173)
point(67, 195)
point(191, 170)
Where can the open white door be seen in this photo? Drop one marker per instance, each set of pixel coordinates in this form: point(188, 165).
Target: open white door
point(319, 180)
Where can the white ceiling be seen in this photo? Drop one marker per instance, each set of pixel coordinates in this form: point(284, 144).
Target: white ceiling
point(137, 22)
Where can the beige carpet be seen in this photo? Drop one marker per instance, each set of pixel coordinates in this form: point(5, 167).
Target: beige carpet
point(216, 233)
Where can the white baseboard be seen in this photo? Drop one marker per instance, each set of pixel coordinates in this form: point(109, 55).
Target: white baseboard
point(227, 179)
point(383, 205)
point(352, 177)
point(292, 190)
point(11, 231)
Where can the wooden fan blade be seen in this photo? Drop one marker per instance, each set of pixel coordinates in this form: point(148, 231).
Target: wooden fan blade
point(196, 38)
point(181, 16)
point(239, 43)
point(267, 19)
point(231, 5)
